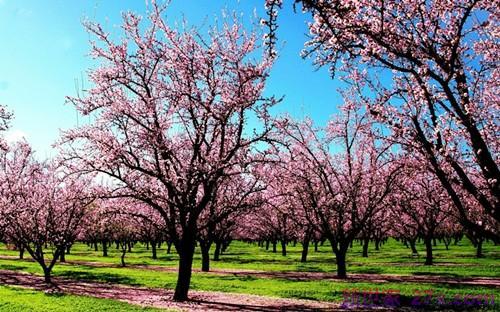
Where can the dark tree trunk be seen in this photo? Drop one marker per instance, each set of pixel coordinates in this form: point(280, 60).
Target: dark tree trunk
point(186, 252)
point(341, 263)
point(218, 246)
point(413, 246)
point(96, 248)
point(267, 245)
point(205, 257)
point(316, 246)
point(147, 245)
point(377, 244)
point(434, 243)
point(479, 249)
point(283, 248)
point(104, 248)
point(169, 247)
point(46, 275)
point(153, 250)
point(129, 245)
point(428, 250)
point(62, 256)
point(305, 249)
point(21, 252)
point(68, 250)
point(124, 251)
point(366, 242)
point(274, 246)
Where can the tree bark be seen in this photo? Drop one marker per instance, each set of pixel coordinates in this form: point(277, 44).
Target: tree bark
point(366, 242)
point(124, 251)
point(413, 247)
point(169, 247)
point(274, 246)
point(62, 257)
point(283, 248)
point(341, 263)
point(186, 252)
point(428, 250)
point(205, 257)
point(218, 246)
point(153, 250)
point(305, 249)
point(479, 248)
point(104, 248)
point(46, 275)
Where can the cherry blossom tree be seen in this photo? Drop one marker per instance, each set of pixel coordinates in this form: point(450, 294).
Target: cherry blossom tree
point(42, 205)
point(236, 196)
point(345, 174)
point(422, 205)
point(429, 71)
point(170, 119)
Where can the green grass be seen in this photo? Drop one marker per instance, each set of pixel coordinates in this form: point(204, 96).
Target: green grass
point(393, 258)
point(19, 299)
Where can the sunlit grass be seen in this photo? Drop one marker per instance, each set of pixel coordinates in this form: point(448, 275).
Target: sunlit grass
point(19, 299)
point(393, 258)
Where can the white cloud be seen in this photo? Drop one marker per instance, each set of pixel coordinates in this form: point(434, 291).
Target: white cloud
point(15, 135)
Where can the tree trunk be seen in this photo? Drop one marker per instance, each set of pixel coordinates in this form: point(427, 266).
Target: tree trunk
point(153, 249)
point(274, 246)
point(124, 251)
point(341, 263)
point(169, 247)
point(316, 246)
point(96, 248)
point(366, 241)
point(377, 244)
point(413, 247)
point(68, 249)
point(205, 257)
point(62, 257)
point(147, 245)
point(186, 252)
point(283, 248)
point(21, 252)
point(428, 250)
point(46, 275)
point(267, 245)
point(104, 248)
point(129, 245)
point(479, 248)
point(305, 249)
point(217, 251)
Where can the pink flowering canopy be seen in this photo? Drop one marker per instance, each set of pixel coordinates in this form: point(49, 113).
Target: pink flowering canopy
point(428, 70)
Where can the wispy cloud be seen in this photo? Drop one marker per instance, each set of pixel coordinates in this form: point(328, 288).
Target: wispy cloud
point(15, 135)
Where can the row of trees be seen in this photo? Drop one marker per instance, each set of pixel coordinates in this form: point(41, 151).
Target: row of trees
point(174, 157)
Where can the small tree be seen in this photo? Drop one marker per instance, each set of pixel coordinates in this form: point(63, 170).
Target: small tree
point(42, 206)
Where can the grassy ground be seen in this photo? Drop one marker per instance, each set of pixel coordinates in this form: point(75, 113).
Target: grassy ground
point(18, 299)
point(393, 258)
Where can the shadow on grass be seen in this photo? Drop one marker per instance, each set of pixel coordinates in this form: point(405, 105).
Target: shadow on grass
point(12, 267)
point(98, 277)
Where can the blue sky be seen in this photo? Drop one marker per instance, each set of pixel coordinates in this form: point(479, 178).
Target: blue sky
point(43, 52)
